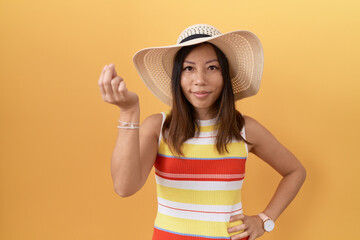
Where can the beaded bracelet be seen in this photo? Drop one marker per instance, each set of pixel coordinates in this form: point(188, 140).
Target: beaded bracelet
point(127, 125)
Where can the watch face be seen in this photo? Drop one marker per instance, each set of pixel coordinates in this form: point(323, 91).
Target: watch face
point(269, 225)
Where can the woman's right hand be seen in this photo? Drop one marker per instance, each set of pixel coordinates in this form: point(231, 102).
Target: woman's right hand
point(113, 90)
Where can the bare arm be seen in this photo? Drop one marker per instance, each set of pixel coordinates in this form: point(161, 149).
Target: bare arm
point(134, 155)
point(269, 149)
point(135, 149)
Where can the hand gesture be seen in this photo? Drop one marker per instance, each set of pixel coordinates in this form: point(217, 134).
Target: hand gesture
point(252, 227)
point(113, 90)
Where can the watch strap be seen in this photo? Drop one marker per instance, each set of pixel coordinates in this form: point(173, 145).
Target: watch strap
point(263, 216)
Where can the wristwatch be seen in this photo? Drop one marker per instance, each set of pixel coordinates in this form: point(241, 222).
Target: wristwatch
point(268, 222)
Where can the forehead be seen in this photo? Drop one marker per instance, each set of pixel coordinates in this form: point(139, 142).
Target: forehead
point(203, 51)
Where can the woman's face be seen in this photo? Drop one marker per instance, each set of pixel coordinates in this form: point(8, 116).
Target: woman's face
point(201, 79)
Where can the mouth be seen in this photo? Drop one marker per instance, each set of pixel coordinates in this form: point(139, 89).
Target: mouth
point(201, 94)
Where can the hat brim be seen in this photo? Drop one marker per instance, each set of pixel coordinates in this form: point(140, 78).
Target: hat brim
point(243, 50)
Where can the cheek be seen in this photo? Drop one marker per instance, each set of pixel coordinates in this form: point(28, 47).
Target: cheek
point(220, 90)
point(220, 84)
point(184, 84)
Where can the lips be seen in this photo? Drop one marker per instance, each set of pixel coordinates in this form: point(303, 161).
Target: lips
point(201, 94)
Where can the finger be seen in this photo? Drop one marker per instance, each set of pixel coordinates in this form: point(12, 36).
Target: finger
point(114, 73)
point(237, 228)
point(112, 68)
point(100, 83)
point(123, 90)
point(240, 236)
point(122, 87)
point(252, 237)
point(115, 86)
point(107, 81)
point(102, 74)
point(237, 217)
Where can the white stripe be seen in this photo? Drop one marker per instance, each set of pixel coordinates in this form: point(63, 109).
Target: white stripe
point(200, 185)
point(210, 217)
point(185, 175)
point(206, 134)
point(200, 141)
point(200, 207)
point(209, 122)
point(203, 138)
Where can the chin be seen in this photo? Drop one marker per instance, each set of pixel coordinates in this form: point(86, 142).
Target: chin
point(202, 106)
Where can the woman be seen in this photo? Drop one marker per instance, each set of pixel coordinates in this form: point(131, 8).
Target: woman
point(199, 149)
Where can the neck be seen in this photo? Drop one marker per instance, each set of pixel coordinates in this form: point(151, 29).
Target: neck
point(204, 114)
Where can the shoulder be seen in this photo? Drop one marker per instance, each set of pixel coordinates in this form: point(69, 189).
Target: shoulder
point(252, 126)
point(256, 133)
point(249, 122)
point(154, 119)
point(152, 124)
point(269, 149)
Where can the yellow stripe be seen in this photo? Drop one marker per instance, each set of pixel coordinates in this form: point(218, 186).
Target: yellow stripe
point(196, 227)
point(236, 149)
point(204, 197)
point(235, 223)
point(208, 128)
point(202, 128)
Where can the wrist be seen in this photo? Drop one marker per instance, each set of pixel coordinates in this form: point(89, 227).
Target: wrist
point(268, 223)
point(130, 115)
point(133, 109)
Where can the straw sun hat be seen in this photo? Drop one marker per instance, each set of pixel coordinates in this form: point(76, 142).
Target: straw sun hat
point(242, 49)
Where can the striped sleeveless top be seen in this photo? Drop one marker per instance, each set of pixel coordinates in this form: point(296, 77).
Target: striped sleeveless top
point(200, 191)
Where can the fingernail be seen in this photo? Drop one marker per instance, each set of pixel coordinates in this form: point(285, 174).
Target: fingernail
point(104, 68)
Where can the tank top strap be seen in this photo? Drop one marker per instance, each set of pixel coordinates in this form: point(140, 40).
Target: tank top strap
point(162, 124)
point(243, 134)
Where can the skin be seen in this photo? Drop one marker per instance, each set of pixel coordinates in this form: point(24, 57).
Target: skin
point(201, 81)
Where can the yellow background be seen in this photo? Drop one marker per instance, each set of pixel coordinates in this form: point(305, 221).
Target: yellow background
point(57, 135)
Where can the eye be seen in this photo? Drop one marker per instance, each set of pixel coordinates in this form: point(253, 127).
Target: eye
point(188, 68)
point(213, 67)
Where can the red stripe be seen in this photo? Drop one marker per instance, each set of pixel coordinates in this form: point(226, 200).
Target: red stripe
point(199, 166)
point(163, 235)
point(206, 137)
point(201, 179)
point(187, 210)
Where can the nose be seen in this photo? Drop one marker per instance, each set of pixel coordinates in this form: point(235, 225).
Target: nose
point(200, 78)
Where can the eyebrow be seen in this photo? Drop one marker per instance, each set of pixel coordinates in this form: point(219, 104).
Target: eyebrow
point(213, 60)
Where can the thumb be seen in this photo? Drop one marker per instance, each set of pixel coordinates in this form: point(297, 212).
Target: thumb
point(122, 88)
point(114, 72)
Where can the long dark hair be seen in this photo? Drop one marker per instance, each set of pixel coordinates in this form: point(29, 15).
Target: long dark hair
point(180, 124)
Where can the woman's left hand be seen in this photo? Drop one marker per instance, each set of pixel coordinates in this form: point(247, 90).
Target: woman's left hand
point(252, 227)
